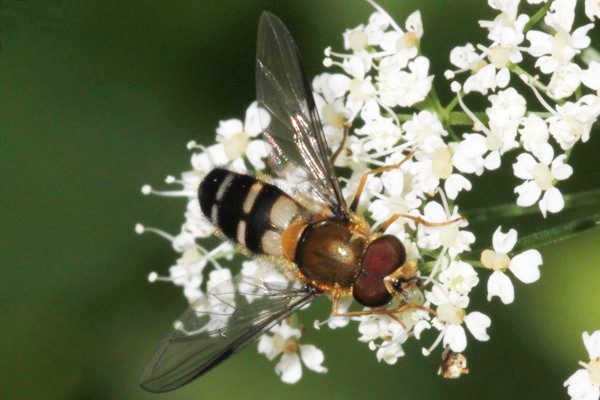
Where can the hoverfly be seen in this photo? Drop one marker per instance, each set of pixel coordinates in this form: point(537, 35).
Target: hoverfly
point(330, 247)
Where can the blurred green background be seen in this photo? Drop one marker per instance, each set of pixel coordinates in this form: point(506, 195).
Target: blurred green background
point(100, 97)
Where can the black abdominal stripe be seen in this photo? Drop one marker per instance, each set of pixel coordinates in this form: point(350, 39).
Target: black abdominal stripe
point(248, 211)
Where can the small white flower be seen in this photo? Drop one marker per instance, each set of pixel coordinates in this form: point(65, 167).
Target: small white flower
point(534, 131)
point(435, 166)
point(398, 87)
point(358, 38)
point(380, 134)
point(459, 277)
point(565, 80)
point(404, 45)
point(285, 341)
point(486, 79)
point(385, 335)
point(450, 315)
point(506, 28)
point(540, 174)
point(465, 57)
point(449, 236)
point(573, 121)
point(561, 14)
point(236, 137)
point(426, 130)
point(524, 266)
point(584, 384)
point(555, 50)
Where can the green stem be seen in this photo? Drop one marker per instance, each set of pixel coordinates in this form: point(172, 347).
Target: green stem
point(452, 105)
point(434, 102)
point(558, 233)
point(537, 16)
point(589, 198)
point(544, 238)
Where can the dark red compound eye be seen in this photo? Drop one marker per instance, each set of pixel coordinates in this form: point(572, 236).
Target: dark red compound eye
point(383, 256)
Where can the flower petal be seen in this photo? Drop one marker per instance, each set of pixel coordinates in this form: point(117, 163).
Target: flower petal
point(592, 344)
point(289, 368)
point(523, 168)
point(456, 338)
point(560, 170)
point(313, 358)
point(229, 127)
point(544, 152)
point(419, 327)
point(267, 347)
point(504, 242)
point(526, 266)
point(492, 161)
point(500, 285)
point(553, 200)
point(477, 323)
point(529, 192)
point(254, 116)
point(580, 387)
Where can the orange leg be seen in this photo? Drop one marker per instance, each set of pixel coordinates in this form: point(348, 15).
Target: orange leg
point(378, 311)
point(418, 220)
point(343, 144)
point(363, 179)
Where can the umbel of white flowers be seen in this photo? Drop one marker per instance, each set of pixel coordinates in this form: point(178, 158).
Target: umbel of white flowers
point(374, 84)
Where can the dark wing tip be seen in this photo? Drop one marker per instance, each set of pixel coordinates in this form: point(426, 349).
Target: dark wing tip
point(151, 383)
point(155, 380)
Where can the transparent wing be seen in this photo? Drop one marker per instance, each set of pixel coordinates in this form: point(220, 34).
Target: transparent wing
point(300, 154)
point(231, 315)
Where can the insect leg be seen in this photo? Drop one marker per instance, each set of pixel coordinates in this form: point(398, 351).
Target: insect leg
point(342, 144)
point(407, 273)
point(390, 312)
point(363, 179)
point(418, 220)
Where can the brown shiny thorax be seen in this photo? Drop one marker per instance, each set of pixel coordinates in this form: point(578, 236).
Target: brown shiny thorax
point(329, 253)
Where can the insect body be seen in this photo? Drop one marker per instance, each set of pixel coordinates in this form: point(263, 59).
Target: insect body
point(334, 254)
point(332, 249)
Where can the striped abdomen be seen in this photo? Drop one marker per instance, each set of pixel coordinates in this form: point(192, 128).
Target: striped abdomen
point(248, 211)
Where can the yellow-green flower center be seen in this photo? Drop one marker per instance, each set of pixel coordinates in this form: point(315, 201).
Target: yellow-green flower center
point(450, 313)
point(495, 261)
point(593, 368)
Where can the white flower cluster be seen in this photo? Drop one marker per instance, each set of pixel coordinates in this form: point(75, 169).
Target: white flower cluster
point(382, 86)
point(566, 95)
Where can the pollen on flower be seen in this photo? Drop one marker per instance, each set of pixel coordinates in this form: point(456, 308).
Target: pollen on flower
point(495, 261)
point(450, 313)
point(593, 368)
